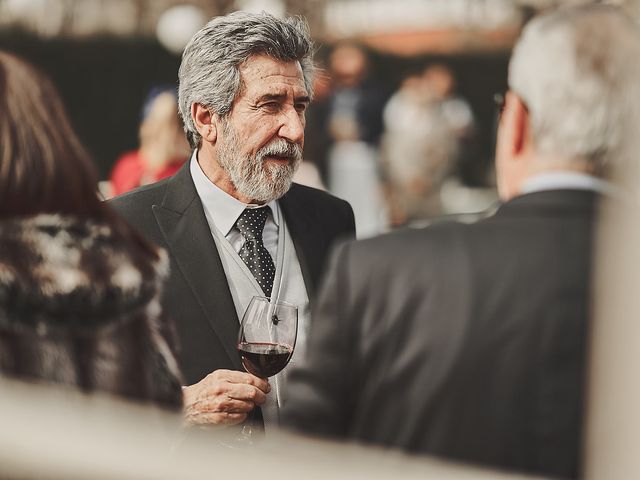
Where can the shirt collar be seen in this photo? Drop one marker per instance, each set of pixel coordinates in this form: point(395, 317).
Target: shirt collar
point(223, 209)
point(567, 181)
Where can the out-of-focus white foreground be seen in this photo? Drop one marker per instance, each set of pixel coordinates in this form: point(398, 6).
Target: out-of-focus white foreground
point(49, 433)
point(613, 442)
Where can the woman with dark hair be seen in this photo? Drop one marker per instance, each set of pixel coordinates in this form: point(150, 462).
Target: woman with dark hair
point(79, 288)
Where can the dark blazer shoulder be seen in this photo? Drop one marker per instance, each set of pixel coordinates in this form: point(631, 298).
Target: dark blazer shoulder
point(404, 257)
point(137, 206)
point(548, 203)
point(332, 212)
point(140, 198)
point(408, 242)
point(316, 196)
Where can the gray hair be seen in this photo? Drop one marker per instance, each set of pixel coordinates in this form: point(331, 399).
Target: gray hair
point(210, 70)
point(577, 71)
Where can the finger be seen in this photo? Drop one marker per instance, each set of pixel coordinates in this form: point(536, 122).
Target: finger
point(241, 391)
point(243, 378)
point(227, 375)
point(261, 383)
point(225, 404)
point(231, 405)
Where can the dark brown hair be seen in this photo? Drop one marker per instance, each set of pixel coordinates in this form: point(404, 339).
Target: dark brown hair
point(43, 166)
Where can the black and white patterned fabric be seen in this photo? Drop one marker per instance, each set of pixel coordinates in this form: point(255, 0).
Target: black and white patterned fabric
point(253, 253)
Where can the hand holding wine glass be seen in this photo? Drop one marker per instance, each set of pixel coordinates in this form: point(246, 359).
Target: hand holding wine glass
point(267, 338)
point(224, 397)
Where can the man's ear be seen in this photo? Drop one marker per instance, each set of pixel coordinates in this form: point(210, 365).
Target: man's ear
point(520, 124)
point(205, 122)
point(513, 147)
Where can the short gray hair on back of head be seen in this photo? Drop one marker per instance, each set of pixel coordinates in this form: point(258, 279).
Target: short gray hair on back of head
point(210, 70)
point(577, 71)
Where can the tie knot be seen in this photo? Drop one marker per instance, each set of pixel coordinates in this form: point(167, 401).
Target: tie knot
point(251, 222)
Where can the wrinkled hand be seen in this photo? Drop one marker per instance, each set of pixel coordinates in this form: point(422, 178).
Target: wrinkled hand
point(224, 397)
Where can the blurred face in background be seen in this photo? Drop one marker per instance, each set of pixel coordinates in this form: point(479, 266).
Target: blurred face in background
point(348, 65)
point(439, 80)
point(259, 144)
point(162, 139)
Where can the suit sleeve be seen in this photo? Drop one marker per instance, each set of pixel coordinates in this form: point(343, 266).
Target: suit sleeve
point(318, 401)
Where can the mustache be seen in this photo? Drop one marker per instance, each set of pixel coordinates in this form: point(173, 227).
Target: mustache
point(281, 148)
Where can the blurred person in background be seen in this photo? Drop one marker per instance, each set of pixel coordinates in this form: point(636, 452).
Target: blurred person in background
point(79, 288)
point(469, 341)
point(352, 121)
point(313, 169)
point(317, 140)
point(425, 130)
point(163, 146)
point(232, 220)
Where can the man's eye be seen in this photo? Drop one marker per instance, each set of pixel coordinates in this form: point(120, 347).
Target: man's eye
point(301, 107)
point(271, 106)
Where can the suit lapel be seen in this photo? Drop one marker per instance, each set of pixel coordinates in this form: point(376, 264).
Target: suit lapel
point(184, 226)
point(301, 225)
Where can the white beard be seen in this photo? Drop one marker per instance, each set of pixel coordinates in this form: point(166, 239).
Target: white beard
point(250, 175)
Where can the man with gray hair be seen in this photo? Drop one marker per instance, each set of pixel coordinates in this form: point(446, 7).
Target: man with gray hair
point(234, 224)
point(469, 341)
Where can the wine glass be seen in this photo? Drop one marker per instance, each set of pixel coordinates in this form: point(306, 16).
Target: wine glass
point(266, 339)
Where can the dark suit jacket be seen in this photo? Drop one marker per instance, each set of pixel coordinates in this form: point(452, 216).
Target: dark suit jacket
point(466, 341)
point(197, 295)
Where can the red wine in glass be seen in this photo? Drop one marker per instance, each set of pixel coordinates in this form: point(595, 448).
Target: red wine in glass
point(264, 359)
point(267, 336)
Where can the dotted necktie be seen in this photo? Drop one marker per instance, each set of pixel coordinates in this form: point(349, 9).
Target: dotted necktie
point(253, 253)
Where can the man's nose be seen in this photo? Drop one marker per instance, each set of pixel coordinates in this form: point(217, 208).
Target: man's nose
point(292, 128)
